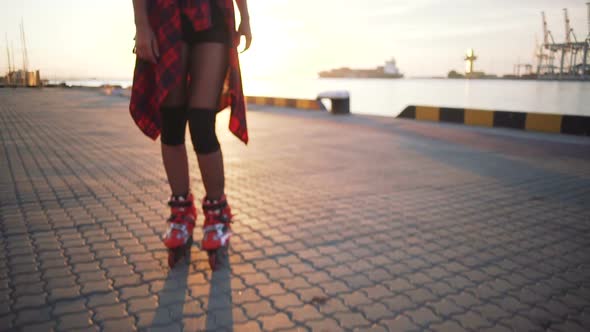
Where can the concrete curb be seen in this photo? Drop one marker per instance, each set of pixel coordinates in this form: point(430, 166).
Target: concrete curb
point(540, 122)
point(304, 104)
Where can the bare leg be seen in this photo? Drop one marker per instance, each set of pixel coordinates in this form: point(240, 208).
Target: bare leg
point(175, 156)
point(208, 66)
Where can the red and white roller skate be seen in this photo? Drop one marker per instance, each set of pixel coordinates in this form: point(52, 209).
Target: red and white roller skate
point(179, 236)
point(216, 229)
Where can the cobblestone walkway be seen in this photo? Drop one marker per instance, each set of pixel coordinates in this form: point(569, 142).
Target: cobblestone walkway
point(343, 223)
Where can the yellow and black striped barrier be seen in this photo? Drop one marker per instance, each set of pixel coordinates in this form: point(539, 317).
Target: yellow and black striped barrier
point(549, 123)
point(305, 104)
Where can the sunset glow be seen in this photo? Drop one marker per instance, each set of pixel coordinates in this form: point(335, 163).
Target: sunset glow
point(68, 38)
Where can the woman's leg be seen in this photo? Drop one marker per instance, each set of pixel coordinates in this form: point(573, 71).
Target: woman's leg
point(208, 67)
point(172, 140)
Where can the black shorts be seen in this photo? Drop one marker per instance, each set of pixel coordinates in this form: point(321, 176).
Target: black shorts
point(218, 33)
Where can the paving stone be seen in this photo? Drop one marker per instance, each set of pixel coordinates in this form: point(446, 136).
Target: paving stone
point(356, 298)
point(333, 305)
point(324, 325)
point(286, 300)
point(271, 289)
point(194, 323)
point(400, 323)
point(50, 326)
point(510, 304)
point(245, 296)
point(257, 309)
point(275, 322)
point(28, 301)
point(398, 303)
point(304, 313)
point(351, 320)
point(166, 298)
point(423, 316)
point(73, 321)
point(96, 287)
point(376, 292)
point(166, 328)
point(311, 294)
point(93, 328)
point(34, 289)
point(458, 230)
point(566, 326)
point(105, 299)
point(376, 311)
point(296, 283)
point(72, 306)
point(251, 326)
point(255, 279)
point(280, 274)
point(520, 323)
point(109, 312)
point(59, 294)
point(146, 319)
point(7, 321)
point(399, 285)
point(472, 320)
point(420, 296)
point(136, 305)
point(123, 324)
point(447, 326)
point(28, 316)
point(332, 288)
point(134, 292)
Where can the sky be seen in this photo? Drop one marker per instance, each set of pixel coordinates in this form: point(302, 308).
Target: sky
point(93, 39)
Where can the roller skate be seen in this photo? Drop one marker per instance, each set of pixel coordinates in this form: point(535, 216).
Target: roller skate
point(179, 236)
point(216, 229)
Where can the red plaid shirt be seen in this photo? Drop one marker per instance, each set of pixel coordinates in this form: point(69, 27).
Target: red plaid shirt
point(152, 82)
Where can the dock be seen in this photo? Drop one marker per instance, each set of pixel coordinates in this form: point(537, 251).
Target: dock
point(342, 223)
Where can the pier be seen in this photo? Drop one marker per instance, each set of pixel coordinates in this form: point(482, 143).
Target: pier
point(342, 223)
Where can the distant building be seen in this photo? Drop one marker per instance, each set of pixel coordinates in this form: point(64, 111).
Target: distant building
point(23, 78)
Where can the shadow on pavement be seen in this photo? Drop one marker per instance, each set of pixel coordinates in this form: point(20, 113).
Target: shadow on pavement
point(173, 297)
point(219, 308)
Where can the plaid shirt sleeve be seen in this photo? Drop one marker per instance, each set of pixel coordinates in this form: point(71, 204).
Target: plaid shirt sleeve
point(152, 82)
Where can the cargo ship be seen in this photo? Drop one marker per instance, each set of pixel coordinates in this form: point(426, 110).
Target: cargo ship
point(389, 70)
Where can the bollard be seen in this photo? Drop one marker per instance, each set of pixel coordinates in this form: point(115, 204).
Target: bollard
point(340, 101)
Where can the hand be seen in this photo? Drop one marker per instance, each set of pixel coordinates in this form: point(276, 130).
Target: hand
point(146, 45)
point(244, 30)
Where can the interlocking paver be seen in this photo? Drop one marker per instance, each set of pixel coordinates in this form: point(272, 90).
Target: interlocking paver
point(398, 303)
point(351, 320)
point(75, 320)
point(400, 323)
point(50, 326)
point(142, 304)
point(283, 301)
point(275, 322)
point(434, 227)
point(251, 326)
point(146, 319)
point(324, 325)
point(257, 309)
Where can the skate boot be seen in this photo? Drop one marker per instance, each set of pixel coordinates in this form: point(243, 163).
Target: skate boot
point(179, 236)
point(216, 229)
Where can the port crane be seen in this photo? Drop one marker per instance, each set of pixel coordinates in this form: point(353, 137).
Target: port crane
point(571, 65)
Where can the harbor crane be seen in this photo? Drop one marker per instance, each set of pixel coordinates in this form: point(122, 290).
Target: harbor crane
point(572, 66)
